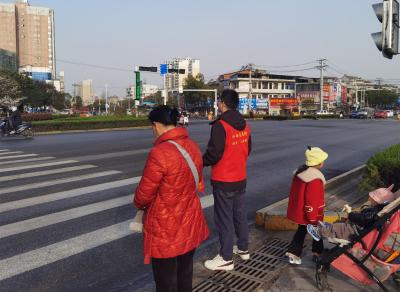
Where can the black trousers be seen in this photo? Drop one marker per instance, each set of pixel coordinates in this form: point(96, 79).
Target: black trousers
point(296, 246)
point(174, 274)
point(230, 218)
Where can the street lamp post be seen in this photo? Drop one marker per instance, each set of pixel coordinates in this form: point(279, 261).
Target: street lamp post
point(106, 99)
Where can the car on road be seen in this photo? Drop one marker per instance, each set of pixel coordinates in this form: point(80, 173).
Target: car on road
point(390, 113)
point(324, 112)
point(380, 114)
point(354, 115)
point(366, 113)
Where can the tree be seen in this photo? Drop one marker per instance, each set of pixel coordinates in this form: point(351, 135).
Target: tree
point(197, 99)
point(10, 94)
point(381, 97)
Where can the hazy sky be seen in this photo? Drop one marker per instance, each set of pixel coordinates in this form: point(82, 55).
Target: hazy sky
point(223, 34)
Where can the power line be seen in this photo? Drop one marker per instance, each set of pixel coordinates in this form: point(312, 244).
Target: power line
point(288, 71)
point(94, 66)
point(287, 66)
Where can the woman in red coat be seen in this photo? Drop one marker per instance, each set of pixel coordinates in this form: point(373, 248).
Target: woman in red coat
point(174, 224)
point(306, 202)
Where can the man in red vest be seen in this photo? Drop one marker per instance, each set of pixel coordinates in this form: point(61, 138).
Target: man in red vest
point(227, 152)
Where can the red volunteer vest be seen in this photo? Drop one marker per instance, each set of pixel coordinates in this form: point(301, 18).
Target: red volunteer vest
point(232, 166)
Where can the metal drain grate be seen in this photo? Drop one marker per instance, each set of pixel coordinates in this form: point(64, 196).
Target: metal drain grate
point(264, 266)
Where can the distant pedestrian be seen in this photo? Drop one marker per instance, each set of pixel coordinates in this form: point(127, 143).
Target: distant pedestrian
point(227, 152)
point(306, 202)
point(174, 223)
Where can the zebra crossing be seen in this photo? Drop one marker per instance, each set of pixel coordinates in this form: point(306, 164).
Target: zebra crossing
point(38, 194)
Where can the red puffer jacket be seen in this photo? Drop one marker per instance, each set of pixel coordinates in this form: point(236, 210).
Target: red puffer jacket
point(174, 222)
point(306, 199)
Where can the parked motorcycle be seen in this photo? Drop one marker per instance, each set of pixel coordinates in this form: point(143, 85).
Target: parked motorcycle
point(23, 130)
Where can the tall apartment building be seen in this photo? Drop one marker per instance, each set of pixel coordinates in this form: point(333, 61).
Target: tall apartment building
point(86, 91)
point(28, 32)
point(174, 80)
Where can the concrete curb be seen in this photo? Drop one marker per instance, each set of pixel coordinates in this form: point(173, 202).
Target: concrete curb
point(273, 217)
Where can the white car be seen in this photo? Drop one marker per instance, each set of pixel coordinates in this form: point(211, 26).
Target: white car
point(324, 112)
point(389, 113)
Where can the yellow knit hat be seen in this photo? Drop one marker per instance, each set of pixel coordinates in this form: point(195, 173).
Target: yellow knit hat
point(315, 156)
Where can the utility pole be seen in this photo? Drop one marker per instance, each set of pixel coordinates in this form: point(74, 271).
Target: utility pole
point(75, 85)
point(321, 82)
point(106, 99)
point(250, 87)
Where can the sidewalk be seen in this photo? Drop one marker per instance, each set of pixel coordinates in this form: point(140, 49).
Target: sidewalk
point(271, 271)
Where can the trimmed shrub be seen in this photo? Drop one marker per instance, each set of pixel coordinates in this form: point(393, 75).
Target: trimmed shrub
point(36, 117)
point(281, 118)
point(88, 124)
point(383, 169)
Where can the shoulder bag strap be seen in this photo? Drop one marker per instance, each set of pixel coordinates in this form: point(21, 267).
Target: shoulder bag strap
point(189, 161)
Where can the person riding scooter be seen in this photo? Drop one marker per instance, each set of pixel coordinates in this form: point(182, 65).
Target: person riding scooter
point(12, 121)
point(15, 119)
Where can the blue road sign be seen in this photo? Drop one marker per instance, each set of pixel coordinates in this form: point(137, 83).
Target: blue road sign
point(163, 69)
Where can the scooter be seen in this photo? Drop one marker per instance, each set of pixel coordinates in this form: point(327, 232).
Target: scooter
point(24, 130)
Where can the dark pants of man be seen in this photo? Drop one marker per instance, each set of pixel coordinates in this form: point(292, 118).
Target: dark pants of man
point(296, 246)
point(230, 218)
point(174, 274)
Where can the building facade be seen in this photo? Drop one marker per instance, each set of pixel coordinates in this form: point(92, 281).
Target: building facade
point(86, 91)
point(264, 88)
point(28, 32)
point(174, 80)
point(8, 60)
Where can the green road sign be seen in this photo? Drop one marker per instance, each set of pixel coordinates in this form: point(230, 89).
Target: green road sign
point(137, 85)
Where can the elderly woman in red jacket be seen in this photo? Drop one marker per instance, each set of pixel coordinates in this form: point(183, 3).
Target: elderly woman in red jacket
point(174, 224)
point(306, 202)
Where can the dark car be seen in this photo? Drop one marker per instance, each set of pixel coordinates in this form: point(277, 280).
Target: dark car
point(354, 115)
point(380, 115)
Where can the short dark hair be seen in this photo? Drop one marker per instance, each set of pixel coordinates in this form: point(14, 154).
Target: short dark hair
point(230, 97)
point(165, 115)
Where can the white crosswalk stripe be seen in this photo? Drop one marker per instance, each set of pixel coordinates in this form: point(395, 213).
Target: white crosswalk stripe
point(2, 150)
point(24, 167)
point(18, 156)
point(8, 153)
point(15, 205)
point(26, 160)
point(56, 182)
point(29, 259)
point(45, 172)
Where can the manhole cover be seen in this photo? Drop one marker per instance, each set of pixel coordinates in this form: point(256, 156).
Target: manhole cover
point(264, 266)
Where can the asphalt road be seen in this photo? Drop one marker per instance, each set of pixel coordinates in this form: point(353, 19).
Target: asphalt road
point(65, 199)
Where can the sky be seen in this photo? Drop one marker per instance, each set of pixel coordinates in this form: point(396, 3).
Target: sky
point(224, 35)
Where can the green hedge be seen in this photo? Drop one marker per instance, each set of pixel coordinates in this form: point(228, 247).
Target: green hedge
point(281, 118)
point(383, 169)
point(88, 124)
point(313, 117)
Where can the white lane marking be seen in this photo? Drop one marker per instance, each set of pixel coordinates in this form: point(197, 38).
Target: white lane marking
point(8, 153)
point(40, 257)
point(2, 150)
point(18, 156)
point(56, 182)
point(27, 160)
point(111, 155)
point(37, 165)
point(46, 172)
point(58, 217)
point(28, 261)
point(14, 205)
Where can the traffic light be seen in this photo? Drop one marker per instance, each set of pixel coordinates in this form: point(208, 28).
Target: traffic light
point(179, 71)
point(137, 85)
point(387, 41)
point(149, 69)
